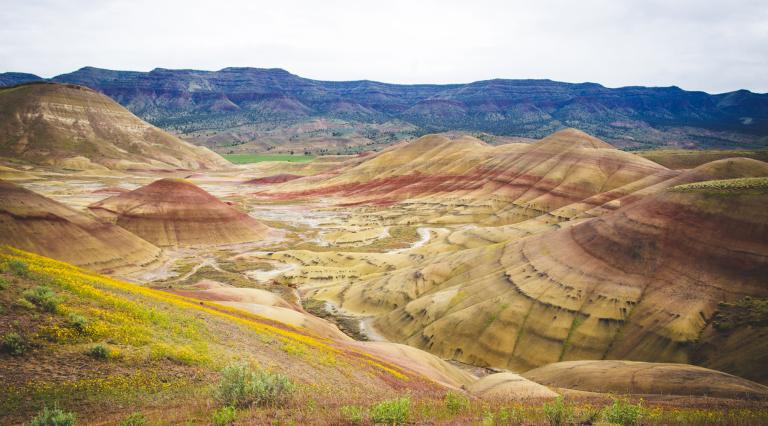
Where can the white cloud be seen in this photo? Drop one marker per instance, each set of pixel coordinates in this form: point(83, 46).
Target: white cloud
point(699, 45)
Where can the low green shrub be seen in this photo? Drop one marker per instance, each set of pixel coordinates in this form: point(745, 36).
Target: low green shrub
point(53, 417)
point(242, 386)
point(558, 412)
point(455, 402)
point(78, 322)
point(587, 414)
point(24, 303)
point(392, 412)
point(42, 297)
point(135, 419)
point(489, 419)
point(14, 344)
point(623, 413)
point(224, 416)
point(18, 268)
point(511, 415)
point(353, 414)
point(99, 352)
point(3, 283)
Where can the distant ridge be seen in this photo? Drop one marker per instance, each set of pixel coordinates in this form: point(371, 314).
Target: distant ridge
point(15, 78)
point(224, 109)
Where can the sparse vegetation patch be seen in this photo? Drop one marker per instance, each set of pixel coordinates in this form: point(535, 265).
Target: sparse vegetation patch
point(42, 297)
point(558, 412)
point(224, 416)
point(14, 344)
point(134, 419)
point(456, 402)
point(53, 417)
point(623, 413)
point(243, 386)
point(752, 184)
point(392, 412)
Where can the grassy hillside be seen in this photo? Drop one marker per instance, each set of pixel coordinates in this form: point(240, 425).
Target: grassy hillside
point(84, 341)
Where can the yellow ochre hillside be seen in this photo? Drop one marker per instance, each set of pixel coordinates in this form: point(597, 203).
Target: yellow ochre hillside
point(74, 127)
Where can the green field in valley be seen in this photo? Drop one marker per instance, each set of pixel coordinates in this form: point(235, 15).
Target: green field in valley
point(258, 158)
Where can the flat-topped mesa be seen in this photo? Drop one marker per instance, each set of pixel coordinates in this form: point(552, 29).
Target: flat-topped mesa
point(32, 222)
point(73, 127)
point(176, 212)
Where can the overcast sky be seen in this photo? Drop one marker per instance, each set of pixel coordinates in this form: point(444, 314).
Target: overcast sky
point(708, 45)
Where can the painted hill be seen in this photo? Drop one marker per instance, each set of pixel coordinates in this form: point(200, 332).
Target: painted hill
point(264, 108)
point(601, 253)
point(643, 378)
point(644, 282)
point(74, 127)
point(466, 180)
point(32, 222)
point(175, 212)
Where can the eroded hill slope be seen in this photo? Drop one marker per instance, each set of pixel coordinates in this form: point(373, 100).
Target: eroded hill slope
point(467, 181)
point(601, 254)
point(33, 222)
point(176, 212)
point(78, 128)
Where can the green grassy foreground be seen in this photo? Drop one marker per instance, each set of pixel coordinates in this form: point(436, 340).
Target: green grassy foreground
point(258, 158)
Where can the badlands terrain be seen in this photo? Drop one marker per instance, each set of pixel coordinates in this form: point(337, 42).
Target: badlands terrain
point(440, 280)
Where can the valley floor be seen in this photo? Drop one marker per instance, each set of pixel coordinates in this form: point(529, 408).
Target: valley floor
point(295, 279)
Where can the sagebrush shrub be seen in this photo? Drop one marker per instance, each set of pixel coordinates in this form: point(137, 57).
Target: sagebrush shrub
point(14, 344)
point(623, 413)
point(392, 412)
point(135, 419)
point(42, 297)
point(99, 352)
point(18, 268)
point(78, 322)
point(53, 417)
point(24, 303)
point(455, 402)
point(224, 416)
point(242, 386)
